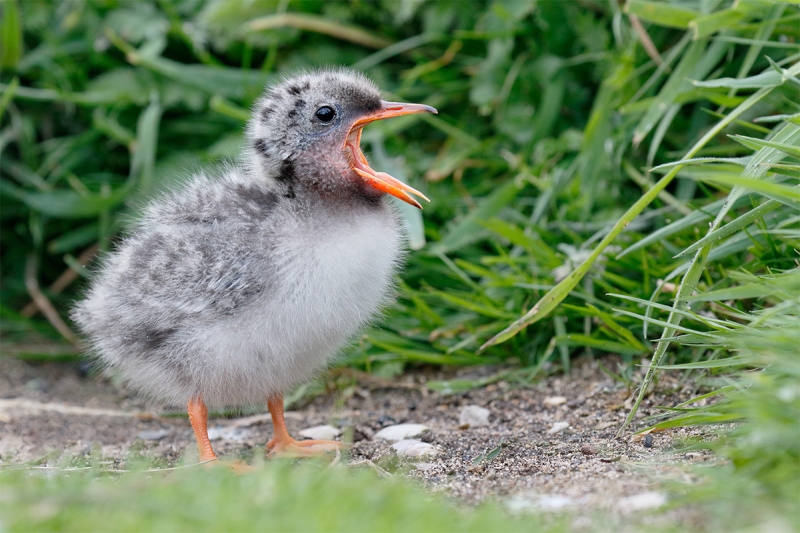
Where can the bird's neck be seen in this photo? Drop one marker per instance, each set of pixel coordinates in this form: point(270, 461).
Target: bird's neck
point(310, 184)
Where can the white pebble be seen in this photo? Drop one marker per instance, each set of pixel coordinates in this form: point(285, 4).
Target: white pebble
point(399, 432)
point(558, 427)
point(234, 434)
point(473, 416)
point(532, 502)
point(414, 449)
point(640, 502)
point(555, 400)
point(554, 502)
point(156, 434)
point(320, 433)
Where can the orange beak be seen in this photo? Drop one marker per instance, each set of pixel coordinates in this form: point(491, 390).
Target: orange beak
point(381, 180)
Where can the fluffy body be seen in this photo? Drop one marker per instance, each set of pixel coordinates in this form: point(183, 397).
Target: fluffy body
point(240, 286)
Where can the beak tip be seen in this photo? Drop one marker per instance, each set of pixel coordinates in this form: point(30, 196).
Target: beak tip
point(416, 202)
point(396, 109)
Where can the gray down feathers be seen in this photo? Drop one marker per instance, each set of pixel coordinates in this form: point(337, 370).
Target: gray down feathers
point(241, 285)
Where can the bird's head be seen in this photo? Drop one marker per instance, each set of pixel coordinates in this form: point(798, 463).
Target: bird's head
point(314, 121)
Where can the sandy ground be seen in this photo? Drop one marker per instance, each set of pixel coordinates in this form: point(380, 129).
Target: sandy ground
point(547, 446)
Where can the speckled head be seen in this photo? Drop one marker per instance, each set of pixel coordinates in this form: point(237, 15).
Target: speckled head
point(314, 120)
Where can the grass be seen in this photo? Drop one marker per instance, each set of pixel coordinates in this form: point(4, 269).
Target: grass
point(606, 178)
point(277, 498)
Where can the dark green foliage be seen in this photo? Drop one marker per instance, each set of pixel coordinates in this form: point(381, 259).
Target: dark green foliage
point(529, 159)
point(110, 110)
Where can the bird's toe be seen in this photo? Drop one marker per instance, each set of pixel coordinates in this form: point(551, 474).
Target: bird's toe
point(302, 448)
point(238, 467)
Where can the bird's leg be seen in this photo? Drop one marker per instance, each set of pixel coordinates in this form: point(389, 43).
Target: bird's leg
point(198, 416)
point(284, 445)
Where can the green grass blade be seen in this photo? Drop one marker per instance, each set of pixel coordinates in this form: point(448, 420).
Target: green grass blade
point(10, 35)
point(144, 153)
point(555, 296)
point(757, 144)
point(695, 267)
point(791, 194)
point(732, 227)
point(661, 13)
point(469, 229)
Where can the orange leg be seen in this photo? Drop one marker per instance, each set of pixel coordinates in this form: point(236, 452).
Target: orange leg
point(198, 416)
point(284, 445)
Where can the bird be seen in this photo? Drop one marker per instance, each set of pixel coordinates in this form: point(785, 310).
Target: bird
point(246, 281)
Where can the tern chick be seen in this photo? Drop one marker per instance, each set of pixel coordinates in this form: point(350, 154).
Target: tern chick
point(239, 286)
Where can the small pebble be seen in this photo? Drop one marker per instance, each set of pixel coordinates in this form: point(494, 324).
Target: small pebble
point(558, 427)
point(385, 420)
point(473, 416)
point(532, 502)
point(233, 434)
point(519, 504)
point(553, 502)
point(426, 436)
point(588, 449)
point(400, 432)
point(640, 502)
point(85, 367)
point(37, 384)
point(555, 400)
point(362, 433)
point(414, 449)
point(153, 434)
point(320, 433)
point(85, 448)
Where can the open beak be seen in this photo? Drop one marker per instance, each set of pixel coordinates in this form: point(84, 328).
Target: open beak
point(381, 180)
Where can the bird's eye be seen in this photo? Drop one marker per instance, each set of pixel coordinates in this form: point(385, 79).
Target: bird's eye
point(325, 113)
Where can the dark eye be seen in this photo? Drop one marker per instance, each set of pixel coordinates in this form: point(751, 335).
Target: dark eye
point(325, 114)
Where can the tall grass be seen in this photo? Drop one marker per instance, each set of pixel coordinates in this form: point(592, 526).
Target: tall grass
point(607, 177)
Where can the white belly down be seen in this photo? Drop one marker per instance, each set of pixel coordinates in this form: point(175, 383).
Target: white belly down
point(328, 281)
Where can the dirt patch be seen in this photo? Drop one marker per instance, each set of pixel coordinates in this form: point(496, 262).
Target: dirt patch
point(548, 446)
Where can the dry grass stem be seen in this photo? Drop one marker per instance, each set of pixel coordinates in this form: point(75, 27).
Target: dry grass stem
point(647, 42)
point(319, 25)
point(32, 405)
point(62, 282)
point(43, 303)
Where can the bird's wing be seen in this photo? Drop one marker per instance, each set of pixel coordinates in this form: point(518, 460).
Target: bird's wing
point(205, 249)
point(195, 270)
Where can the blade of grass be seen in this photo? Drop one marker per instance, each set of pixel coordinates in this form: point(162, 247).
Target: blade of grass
point(689, 282)
point(732, 227)
point(315, 23)
point(554, 297)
